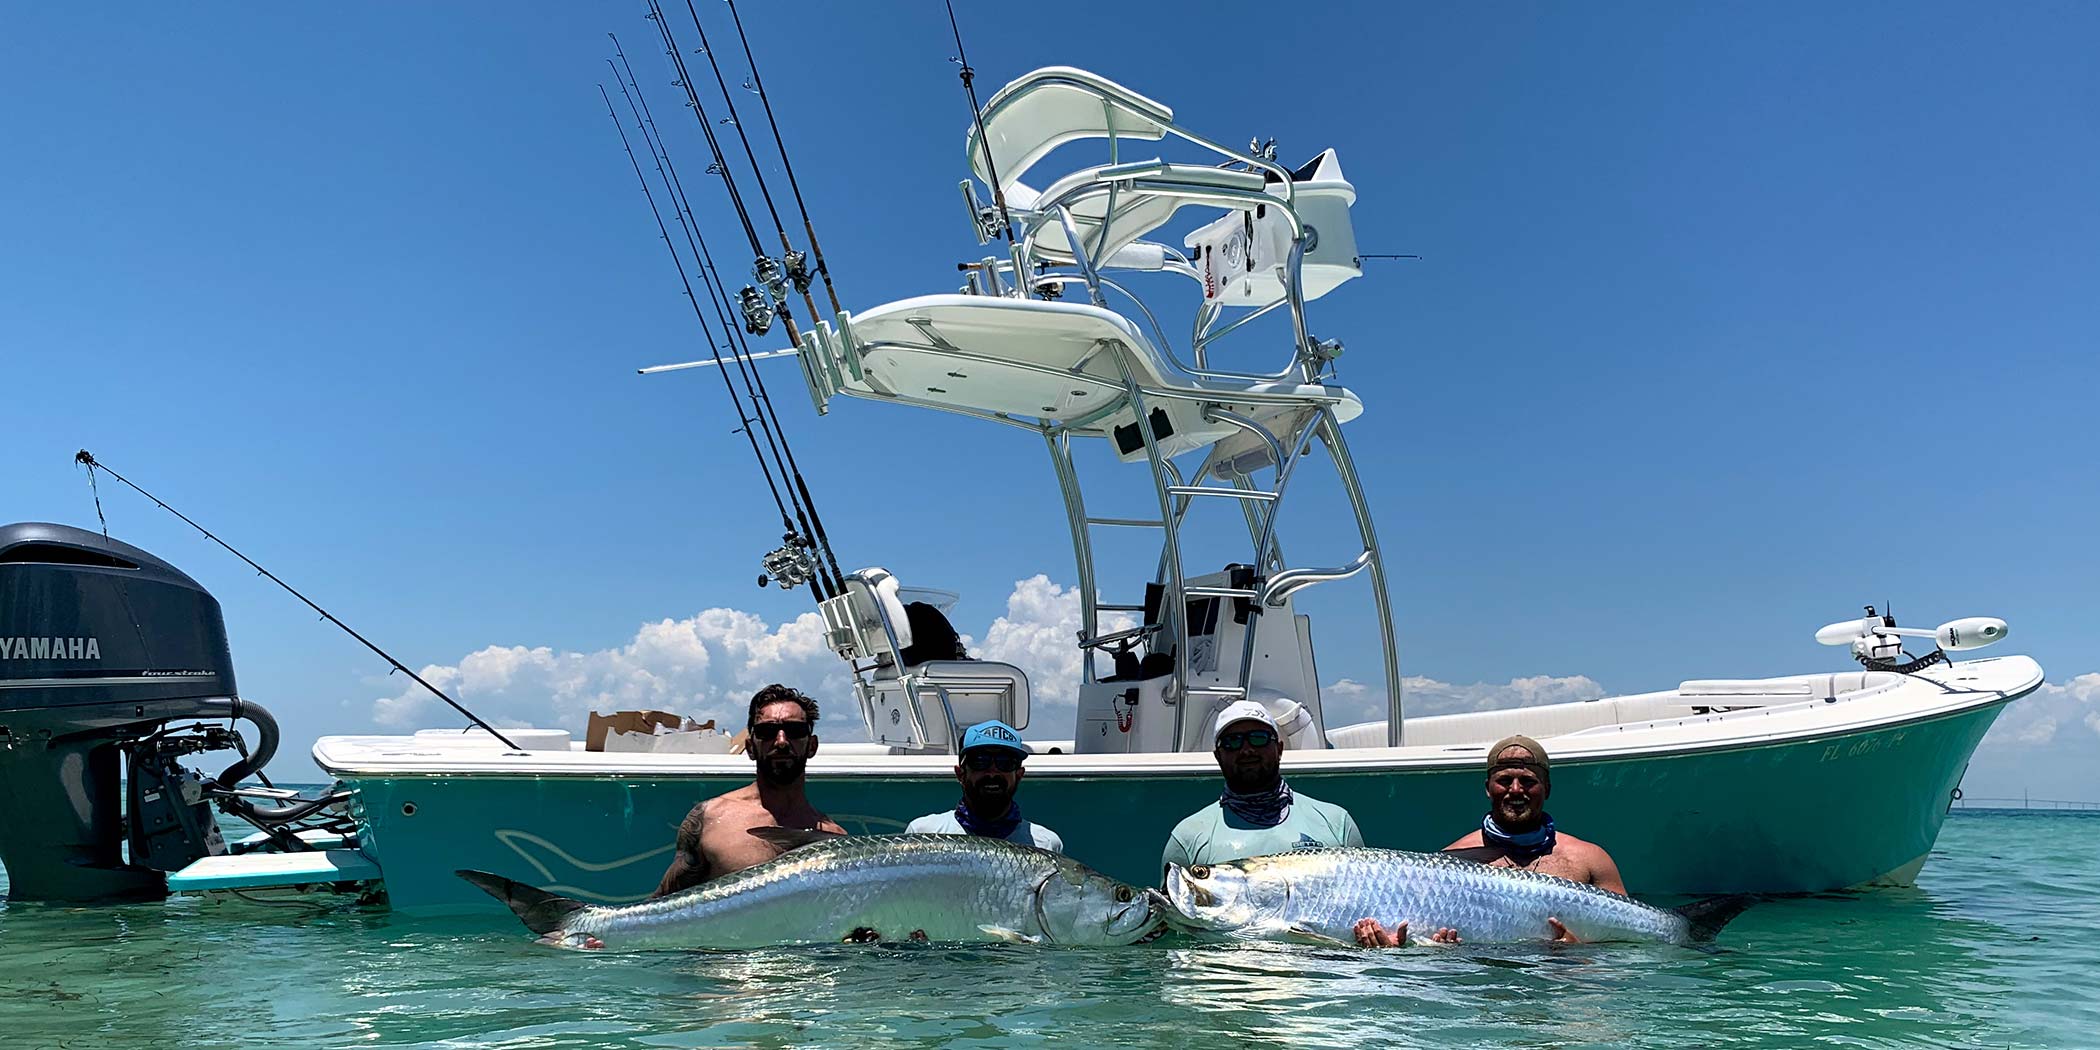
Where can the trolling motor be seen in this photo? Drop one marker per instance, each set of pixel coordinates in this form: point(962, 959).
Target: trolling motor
point(1877, 643)
point(108, 655)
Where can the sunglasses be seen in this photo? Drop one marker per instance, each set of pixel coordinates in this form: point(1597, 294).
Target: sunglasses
point(768, 731)
point(1003, 761)
point(1250, 738)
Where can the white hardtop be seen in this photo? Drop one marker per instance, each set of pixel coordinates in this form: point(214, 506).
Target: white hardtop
point(1054, 364)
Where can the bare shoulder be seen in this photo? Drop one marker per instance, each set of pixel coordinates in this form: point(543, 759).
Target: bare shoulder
point(713, 814)
point(1468, 841)
point(1592, 862)
point(727, 805)
point(1577, 848)
point(825, 823)
point(695, 821)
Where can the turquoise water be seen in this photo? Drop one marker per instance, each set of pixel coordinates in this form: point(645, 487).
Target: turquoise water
point(1997, 946)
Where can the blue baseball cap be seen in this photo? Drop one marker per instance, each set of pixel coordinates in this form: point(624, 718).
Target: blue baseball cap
point(994, 734)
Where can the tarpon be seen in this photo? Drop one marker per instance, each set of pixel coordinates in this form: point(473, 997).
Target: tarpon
point(831, 888)
point(1319, 894)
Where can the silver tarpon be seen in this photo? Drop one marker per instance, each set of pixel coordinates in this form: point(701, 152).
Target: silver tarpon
point(1319, 894)
point(830, 888)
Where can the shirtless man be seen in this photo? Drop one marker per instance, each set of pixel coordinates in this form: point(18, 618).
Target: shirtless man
point(1518, 833)
point(715, 838)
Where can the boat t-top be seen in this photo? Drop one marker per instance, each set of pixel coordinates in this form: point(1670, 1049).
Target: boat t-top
point(1814, 781)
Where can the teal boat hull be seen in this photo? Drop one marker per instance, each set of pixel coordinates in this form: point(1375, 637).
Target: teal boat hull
point(1803, 814)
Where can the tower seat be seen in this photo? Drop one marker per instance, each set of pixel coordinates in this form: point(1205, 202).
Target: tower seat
point(914, 706)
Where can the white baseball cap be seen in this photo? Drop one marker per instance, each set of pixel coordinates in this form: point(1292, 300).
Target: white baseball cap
point(1243, 711)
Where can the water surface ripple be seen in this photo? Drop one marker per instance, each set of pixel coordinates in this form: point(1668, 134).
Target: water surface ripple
point(1995, 947)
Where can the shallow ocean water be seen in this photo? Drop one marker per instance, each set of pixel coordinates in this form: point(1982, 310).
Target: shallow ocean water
point(1998, 945)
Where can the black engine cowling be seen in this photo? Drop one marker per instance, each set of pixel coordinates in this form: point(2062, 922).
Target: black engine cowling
point(101, 646)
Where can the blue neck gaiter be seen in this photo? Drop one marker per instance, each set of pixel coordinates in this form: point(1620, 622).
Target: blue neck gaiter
point(1263, 809)
point(991, 829)
point(1523, 847)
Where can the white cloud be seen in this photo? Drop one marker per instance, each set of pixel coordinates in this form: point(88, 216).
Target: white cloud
point(704, 666)
point(1040, 635)
point(1350, 701)
point(708, 665)
point(2038, 719)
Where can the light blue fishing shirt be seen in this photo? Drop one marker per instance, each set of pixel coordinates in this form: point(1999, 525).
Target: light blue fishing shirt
point(1214, 834)
point(1027, 832)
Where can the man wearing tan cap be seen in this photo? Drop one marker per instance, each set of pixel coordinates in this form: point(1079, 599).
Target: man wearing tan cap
point(1518, 833)
point(1518, 827)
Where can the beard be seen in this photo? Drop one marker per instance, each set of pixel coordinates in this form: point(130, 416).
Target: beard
point(781, 769)
point(1521, 816)
point(988, 798)
point(1247, 780)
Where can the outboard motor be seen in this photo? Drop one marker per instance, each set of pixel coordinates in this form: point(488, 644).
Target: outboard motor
point(102, 647)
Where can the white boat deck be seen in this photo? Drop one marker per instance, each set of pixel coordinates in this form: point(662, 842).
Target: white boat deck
point(1688, 719)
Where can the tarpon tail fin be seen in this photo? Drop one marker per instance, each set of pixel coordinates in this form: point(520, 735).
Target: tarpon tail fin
point(785, 839)
point(542, 912)
point(1708, 916)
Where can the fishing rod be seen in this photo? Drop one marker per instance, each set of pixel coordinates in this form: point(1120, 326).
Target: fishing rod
point(794, 265)
point(759, 313)
point(812, 525)
point(758, 84)
point(793, 469)
point(969, 76)
point(656, 15)
point(88, 460)
point(786, 521)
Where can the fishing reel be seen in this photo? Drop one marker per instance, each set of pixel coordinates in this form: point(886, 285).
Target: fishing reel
point(770, 272)
point(796, 267)
point(790, 565)
point(758, 313)
point(1877, 643)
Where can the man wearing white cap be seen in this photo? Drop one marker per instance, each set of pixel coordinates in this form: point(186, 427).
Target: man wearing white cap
point(1258, 814)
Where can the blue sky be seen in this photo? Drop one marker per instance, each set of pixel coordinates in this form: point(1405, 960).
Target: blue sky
point(1730, 318)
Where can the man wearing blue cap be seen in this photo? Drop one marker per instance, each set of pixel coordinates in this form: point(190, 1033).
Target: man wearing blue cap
point(989, 770)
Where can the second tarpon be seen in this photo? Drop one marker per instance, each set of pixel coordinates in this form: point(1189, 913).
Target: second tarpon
point(831, 888)
point(1319, 894)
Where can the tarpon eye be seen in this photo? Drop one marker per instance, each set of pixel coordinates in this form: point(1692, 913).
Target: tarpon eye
point(1200, 871)
point(1124, 894)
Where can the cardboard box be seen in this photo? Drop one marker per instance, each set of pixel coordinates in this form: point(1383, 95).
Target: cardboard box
point(704, 741)
point(627, 722)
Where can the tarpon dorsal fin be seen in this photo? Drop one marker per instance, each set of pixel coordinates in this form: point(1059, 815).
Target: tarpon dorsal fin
point(1476, 854)
point(786, 839)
